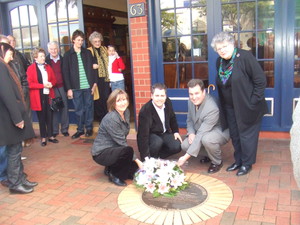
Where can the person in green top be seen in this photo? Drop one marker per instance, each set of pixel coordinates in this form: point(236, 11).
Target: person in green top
point(80, 82)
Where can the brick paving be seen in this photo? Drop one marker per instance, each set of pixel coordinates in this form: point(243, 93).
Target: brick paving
point(73, 189)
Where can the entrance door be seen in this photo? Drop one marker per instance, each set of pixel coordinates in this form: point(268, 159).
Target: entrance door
point(182, 35)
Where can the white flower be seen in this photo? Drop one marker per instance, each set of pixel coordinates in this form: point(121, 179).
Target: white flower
point(159, 176)
point(163, 188)
point(150, 187)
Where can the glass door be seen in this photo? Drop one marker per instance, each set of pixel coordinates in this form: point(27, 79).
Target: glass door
point(185, 29)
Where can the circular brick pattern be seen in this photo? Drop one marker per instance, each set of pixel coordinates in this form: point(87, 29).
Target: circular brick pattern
point(219, 197)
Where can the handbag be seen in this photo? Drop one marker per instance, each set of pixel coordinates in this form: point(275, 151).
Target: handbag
point(57, 103)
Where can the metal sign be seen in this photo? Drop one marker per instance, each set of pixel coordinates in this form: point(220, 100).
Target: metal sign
point(136, 10)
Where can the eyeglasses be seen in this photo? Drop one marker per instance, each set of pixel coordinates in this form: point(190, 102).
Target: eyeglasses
point(222, 48)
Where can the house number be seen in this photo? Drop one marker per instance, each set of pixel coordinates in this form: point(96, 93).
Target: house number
point(136, 10)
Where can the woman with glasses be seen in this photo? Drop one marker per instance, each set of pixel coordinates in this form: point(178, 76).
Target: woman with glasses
point(241, 84)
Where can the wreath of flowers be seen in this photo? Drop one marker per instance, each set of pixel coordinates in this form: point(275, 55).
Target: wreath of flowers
point(160, 177)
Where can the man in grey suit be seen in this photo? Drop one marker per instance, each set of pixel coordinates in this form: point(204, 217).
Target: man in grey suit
point(203, 127)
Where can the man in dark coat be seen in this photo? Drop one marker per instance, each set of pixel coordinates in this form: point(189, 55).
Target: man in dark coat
point(80, 80)
point(158, 135)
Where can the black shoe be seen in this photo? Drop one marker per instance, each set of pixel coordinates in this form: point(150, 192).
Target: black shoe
point(21, 189)
point(66, 134)
point(213, 168)
point(54, 140)
point(243, 170)
point(5, 183)
point(205, 159)
point(30, 184)
point(89, 133)
point(116, 180)
point(233, 167)
point(43, 143)
point(106, 171)
point(77, 134)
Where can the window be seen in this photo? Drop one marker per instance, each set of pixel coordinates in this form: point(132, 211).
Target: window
point(62, 20)
point(252, 24)
point(184, 41)
point(25, 29)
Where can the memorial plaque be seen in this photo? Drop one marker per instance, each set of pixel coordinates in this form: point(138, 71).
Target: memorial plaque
point(192, 196)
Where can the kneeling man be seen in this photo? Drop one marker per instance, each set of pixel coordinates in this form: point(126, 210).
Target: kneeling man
point(158, 135)
point(203, 127)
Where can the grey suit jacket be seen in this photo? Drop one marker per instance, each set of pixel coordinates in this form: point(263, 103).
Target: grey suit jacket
point(201, 122)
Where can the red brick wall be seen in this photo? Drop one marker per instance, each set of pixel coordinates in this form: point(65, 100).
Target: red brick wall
point(140, 57)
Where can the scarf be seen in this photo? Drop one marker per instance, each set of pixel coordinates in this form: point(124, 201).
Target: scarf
point(102, 60)
point(15, 79)
point(225, 75)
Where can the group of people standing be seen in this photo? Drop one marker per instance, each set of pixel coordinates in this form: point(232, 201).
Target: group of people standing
point(210, 123)
point(24, 87)
point(87, 76)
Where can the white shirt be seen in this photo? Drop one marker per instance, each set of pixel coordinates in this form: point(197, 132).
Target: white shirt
point(161, 114)
point(55, 59)
point(44, 73)
point(113, 77)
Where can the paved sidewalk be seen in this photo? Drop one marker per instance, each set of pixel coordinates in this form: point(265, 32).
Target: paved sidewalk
point(73, 189)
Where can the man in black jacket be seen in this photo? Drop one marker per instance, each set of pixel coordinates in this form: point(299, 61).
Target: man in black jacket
point(80, 83)
point(158, 135)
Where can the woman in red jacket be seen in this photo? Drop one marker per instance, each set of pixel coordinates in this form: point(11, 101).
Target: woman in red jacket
point(41, 79)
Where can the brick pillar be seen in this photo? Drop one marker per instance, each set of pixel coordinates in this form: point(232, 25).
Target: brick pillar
point(140, 57)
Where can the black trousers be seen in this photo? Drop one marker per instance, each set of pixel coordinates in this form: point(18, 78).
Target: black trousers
point(45, 118)
point(15, 168)
point(244, 141)
point(100, 106)
point(119, 161)
point(163, 146)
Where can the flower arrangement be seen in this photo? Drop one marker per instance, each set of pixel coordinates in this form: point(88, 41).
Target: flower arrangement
point(160, 177)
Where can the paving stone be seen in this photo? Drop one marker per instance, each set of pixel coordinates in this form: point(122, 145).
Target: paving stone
point(73, 189)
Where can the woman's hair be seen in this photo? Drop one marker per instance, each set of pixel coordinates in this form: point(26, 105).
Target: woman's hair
point(221, 37)
point(4, 47)
point(194, 82)
point(36, 51)
point(94, 35)
point(77, 33)
point(112, 99)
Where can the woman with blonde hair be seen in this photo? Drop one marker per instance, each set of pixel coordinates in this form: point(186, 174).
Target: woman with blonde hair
point(110, 147)
point(41, 79)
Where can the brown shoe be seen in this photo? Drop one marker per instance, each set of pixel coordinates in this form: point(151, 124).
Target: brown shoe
point(213, 168)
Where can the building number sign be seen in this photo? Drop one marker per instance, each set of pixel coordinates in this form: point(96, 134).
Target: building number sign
point(136, 10)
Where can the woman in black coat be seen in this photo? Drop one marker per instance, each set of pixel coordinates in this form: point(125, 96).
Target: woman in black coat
point(15, 124)
point(241, 84)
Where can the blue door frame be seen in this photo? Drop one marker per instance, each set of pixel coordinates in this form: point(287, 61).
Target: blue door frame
point(280, 99)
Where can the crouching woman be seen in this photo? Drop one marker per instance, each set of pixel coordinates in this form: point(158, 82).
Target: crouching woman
point(110, 147)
